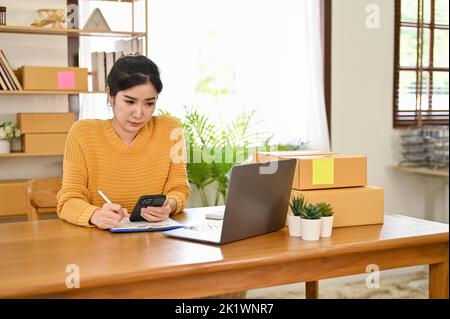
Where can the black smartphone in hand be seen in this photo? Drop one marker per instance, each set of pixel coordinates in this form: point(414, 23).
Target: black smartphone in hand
point(146, 201)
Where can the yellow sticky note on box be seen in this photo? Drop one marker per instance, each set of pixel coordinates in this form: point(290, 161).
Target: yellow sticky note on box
point(323, 171)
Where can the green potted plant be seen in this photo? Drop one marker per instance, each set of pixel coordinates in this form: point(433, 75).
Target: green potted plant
point(8, 132)
point(327, 219)
point(231, 142)
point(297, 204)
point(311, 222)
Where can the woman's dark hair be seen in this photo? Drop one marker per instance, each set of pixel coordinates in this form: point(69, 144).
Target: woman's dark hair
point(131, 70)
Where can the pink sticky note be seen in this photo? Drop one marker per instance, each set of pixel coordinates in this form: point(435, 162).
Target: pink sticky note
point(66, 80)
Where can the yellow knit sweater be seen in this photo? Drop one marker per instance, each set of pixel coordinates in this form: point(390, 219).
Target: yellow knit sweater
point(95, 158)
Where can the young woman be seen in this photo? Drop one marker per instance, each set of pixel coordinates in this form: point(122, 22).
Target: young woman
point(133, 154)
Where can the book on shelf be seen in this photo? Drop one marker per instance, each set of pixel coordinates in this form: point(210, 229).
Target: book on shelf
point(98, 71)
point(102, 62)
point(9, 79)
point(132, 46)
point(3, 85)
point(101, 65)
point(118, 55)
point(140, 46)
point(109, 63)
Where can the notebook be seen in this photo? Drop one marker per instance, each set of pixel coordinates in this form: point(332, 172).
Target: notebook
point(126, 226)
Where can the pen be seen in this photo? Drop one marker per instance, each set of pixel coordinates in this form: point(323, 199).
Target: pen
point(109, 202)
point(104, 197)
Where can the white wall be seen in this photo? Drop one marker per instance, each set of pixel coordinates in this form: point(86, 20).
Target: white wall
point(31, 50)
point(362, 97)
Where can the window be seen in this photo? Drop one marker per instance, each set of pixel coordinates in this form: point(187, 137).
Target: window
point(228, 57)
point(421, 63)
point(234, 56)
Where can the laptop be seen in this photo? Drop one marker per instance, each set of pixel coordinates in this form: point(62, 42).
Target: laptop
point(257, 204)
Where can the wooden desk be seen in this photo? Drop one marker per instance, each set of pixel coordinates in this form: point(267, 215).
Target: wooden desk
point(34, 256)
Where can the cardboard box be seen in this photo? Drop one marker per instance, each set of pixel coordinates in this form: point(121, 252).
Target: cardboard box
point(352, 206)
point(270, 156)
point(46, 143)
point(45, 122)
point(330, 171)
point(40, 78)
point(325, 171)
point(13, 198)
point(261, 157)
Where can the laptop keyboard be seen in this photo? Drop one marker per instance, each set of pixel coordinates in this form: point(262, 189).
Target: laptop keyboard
point(206, 227)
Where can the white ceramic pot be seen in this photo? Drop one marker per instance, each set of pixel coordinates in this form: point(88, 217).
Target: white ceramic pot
point(294, 225)
point(327, 226)
point(311, 228)
point(5, 147)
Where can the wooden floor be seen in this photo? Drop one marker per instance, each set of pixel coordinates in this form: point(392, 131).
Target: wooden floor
point(404, 283)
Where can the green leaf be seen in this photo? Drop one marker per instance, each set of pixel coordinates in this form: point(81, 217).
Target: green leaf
point(325, 209)
point(311, 211)
point(297, 205)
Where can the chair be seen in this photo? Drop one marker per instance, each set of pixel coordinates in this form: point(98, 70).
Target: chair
point(42, 194)
point(14, 203)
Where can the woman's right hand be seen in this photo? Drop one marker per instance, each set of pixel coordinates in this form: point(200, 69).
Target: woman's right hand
point(109, 216)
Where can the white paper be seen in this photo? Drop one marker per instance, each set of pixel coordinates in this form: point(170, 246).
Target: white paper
point(126, 224)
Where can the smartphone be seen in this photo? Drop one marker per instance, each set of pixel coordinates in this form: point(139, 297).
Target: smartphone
point(146, 201)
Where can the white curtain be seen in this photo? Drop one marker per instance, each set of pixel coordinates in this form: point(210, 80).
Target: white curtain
point(267, 52)
point(265, 55)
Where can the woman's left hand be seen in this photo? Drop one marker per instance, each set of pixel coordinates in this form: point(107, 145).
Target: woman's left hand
point(158, 214)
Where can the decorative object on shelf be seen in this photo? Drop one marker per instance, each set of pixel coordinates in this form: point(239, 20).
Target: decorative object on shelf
point(311, 222)
point(54, 17)
point(96, 22)
point(8, 132)
point(426, 146)
point(327, 217)
point(297, 204)
point(2, 15)
point(72, 16)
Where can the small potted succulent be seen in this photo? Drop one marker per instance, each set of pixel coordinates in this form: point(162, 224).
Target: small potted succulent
point(327, 219)
point(296, 204)
point(311, 222)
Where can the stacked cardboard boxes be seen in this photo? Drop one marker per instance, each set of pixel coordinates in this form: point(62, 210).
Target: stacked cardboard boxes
point(44, 133)
point(338, 179)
